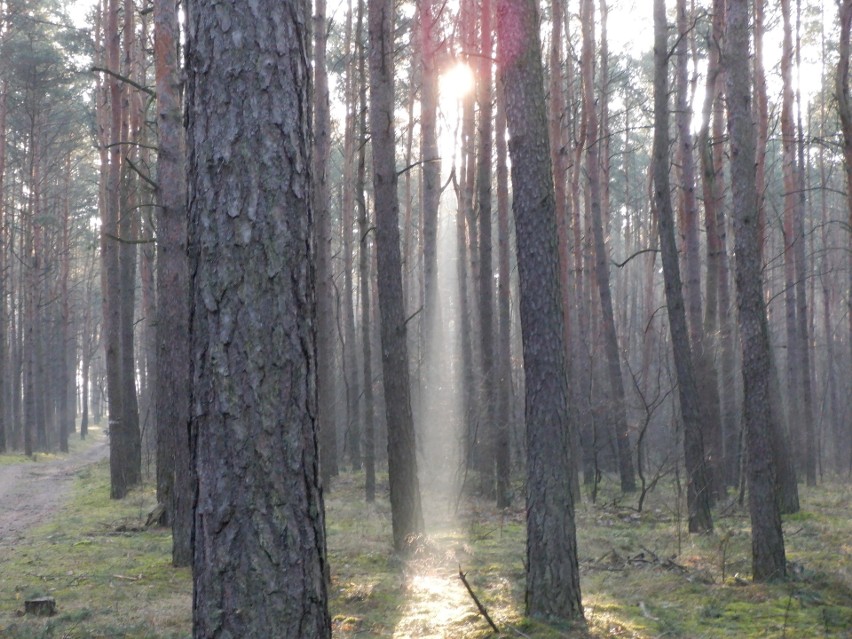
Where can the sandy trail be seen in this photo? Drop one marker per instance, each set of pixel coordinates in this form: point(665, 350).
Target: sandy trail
point(32, 493)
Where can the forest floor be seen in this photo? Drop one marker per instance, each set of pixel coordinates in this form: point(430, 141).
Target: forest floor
point(643, 576)
point(32, 490)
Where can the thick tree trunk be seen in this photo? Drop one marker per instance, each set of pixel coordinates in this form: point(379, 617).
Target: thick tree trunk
point(406, 514)
point(260, 558)
point(768, 561)
point(553, 583)
point(698, 483)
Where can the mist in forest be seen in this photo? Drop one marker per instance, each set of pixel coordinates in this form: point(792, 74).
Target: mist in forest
point(439, 418)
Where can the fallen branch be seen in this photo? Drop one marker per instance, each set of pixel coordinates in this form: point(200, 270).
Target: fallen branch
point(482, 609)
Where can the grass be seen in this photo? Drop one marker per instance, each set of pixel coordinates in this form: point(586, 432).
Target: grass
point(641, 577)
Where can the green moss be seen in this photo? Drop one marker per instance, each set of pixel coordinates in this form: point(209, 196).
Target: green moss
point(97, 573)
point(642, 576)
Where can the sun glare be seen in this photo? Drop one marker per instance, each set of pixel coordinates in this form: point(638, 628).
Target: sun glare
point(457, 81)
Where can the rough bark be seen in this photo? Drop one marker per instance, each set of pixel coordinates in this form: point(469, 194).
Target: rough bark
point(260, 559)
point(174, 480)
point(552, 582)
point(768, 560)
point(698, 479)
point(406, 513)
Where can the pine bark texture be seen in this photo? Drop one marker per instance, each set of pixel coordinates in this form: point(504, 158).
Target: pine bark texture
point(174, 481)
point(553, 583)
point(698, 484)
point(406, 513)
point(259, 562)
point(768, 560)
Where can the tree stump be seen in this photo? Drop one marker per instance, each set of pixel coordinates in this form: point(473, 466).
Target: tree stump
point(40, 606)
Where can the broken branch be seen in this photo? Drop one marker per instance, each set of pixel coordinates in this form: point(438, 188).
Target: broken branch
point(482, 609)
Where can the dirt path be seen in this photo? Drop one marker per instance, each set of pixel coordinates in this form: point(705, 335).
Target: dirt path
point(33, 492)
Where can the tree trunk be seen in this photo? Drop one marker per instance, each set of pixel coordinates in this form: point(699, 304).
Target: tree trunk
point(803, 328)
point(610, 335)
point(844, 107)
point(793, 390)
point(5, 386)
point(430, 189)
point(364, 268)
point(698, 479)
point(761, 116)
point(503, 410)
point(559, 162)
point(553, 583)
point(716, 311)
point(768, 561)
point(175, 486)
point(326, 338)
point(350, 354)
point(260, 558)
point(406, 514)
point(486, 276)
point(706, 380)
point(119, 459)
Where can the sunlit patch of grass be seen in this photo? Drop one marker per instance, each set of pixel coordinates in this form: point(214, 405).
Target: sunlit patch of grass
point(642, 574)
